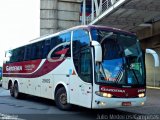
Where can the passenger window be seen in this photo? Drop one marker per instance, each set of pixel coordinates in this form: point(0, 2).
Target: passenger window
point(85, 65)
point(34, 51)
point(59, 40)
point(82, 54)
point(28, 52)
point(81, 36)
point(17, 55)
point(47, 45)
point(38, 50)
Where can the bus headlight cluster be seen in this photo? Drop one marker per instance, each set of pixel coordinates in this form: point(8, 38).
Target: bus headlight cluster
point(141, 95)
point(142, 103)
point(104, 94)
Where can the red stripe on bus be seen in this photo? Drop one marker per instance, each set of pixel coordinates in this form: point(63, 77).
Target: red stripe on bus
point(44, 69)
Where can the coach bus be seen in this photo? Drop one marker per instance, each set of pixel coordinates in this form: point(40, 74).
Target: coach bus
point(95, 67)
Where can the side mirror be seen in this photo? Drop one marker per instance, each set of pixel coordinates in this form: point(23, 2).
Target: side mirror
point(98, 51)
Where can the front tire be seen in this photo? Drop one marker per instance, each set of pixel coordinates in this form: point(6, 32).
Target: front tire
point(61, 99)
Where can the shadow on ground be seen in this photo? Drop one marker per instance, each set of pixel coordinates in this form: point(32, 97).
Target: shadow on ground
point(78, 113)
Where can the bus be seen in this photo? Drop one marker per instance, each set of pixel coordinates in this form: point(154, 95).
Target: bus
point(92, 66)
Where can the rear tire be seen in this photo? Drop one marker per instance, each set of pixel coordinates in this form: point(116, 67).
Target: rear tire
point(11, 89)
point(61, 99)
point(16, 91)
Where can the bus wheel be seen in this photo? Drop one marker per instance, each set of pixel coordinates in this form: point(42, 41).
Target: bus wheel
point(61, 99)
point(16, 91)
point(11, 89)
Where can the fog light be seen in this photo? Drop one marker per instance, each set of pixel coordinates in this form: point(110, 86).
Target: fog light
point(142, 103)
point(101, 103)
point(141, 95)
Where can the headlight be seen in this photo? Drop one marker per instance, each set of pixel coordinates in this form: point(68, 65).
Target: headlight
point(104, 94)
point(141, 95)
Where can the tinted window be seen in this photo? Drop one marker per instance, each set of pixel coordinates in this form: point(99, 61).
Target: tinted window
point(28, 52)
point(85, 65)
point(58, 40)
point(82, 54)
point(47, 47)
point(40, 50)
point(34, 51)
point(17, 55)
point(37, 50)
point(81, 38)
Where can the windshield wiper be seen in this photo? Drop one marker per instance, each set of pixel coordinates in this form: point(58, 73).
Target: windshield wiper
point(119, 75)
point(132, 71)
point(134, 75)
point(102, 70)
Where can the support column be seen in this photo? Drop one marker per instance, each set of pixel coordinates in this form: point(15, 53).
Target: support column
point(92, 16)
point(98, 7)
point(84, 13)
point(48, 16)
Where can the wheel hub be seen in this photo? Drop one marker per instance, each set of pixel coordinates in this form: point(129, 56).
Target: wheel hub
point(63, 98)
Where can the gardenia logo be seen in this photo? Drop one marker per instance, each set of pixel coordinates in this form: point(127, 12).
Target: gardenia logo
point(112, 90)
point(13, 68)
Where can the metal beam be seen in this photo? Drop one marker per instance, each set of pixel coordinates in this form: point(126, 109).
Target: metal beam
point(124, 19)
point(143, 8)
point(108, 11)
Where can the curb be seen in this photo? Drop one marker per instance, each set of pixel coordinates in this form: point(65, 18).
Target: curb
point(153, 87)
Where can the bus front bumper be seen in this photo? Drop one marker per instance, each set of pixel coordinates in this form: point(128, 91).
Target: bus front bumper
point(101, 102)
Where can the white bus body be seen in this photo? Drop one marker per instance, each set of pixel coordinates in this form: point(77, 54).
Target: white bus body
point(72, 67)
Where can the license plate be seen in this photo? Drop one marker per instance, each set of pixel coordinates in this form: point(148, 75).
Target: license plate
point(126, 104)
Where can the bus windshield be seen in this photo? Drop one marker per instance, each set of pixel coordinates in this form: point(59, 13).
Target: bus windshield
point(122, 59)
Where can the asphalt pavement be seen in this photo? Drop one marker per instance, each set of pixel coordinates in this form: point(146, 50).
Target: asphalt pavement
point(35, 108)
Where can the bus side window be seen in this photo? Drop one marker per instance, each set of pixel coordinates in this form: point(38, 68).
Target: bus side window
point(82, 54)
point(66, 37)
point(34, 51)
point(46, 49)
point(28, 50)
point(12, 59)
point(85, 64)
point(20, 54)
point(17, 55)
point(39, 50)
point(54, 42)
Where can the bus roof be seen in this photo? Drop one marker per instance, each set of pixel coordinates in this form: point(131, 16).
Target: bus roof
point(89, 27)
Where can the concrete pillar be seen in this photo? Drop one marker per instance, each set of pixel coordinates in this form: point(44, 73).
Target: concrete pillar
point(57, 15)
point(48, 16)
point(68, 14)
point(152, 72)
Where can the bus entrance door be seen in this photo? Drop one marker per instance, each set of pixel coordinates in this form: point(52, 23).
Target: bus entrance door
point(80, 92)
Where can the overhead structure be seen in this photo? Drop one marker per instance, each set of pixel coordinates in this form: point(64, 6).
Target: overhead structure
point(130, 15)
